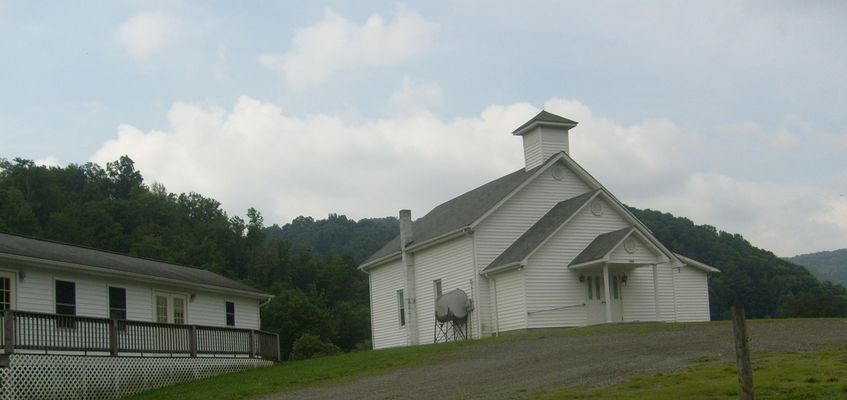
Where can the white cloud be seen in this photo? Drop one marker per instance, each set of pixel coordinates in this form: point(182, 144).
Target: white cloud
point(414, 96)
point(336, 43)
point(147, 33)
point(257, 155)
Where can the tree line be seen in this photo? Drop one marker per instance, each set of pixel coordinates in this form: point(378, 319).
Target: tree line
point(310, 265)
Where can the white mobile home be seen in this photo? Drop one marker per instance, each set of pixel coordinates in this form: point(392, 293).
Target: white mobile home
point(121, 313)
point(545, 246)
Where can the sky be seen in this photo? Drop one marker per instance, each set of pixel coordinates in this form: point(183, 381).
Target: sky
point(730, 113)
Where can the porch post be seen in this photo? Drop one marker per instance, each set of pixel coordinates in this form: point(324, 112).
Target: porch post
point(113, 337)
point(656, 292)
point(8, 331)
point(606, 292)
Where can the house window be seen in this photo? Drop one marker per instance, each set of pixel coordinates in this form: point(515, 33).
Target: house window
point(117, 303)
point(162, 309)
point(7, 281)
point(65, 296)
point(230, 313)
point(170, 308)
point(436, 286)
point(401, 307)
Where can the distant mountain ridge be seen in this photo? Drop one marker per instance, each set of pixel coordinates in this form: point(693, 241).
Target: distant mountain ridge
point(825, 265)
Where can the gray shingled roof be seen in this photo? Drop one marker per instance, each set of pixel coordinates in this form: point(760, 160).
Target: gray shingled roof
point(459, 212)
point(54, 251)
point(601, 245)
point(545, 116)
point(540, 231)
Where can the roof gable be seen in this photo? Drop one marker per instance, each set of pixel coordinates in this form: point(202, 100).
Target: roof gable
point(65, 253)
point(604, 245)
point(539, 232)
point(601, 246)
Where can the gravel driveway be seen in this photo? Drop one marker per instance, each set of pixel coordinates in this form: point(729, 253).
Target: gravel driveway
point(511, 369)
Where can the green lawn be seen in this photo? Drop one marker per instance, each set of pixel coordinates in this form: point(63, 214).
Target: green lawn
point(296, 374)
point(790, 375)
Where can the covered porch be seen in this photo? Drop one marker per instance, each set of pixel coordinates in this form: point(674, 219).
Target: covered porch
point(605, 267)
point(26, 332)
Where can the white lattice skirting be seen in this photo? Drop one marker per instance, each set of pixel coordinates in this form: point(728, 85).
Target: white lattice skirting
point(40, 376)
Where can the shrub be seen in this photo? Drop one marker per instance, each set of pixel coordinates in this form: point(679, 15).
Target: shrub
point(311, 346)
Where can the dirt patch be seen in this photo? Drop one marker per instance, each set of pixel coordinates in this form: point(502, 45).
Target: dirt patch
point(513, 369)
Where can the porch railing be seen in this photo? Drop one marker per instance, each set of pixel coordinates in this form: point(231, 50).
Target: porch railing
point(31, 331)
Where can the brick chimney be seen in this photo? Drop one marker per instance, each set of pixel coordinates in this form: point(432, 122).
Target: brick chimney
point(543, 136)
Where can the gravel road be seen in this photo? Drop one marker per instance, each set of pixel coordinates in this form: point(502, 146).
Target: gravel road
point(512, 369)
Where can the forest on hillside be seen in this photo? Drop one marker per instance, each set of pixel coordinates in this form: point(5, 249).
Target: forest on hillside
point(310, 265)
point(826, 265)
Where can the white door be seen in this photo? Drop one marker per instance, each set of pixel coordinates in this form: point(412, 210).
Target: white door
point(170, 308)
point(595, 304)
point(617, 297)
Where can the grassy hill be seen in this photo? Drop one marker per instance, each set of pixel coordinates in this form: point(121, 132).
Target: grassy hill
point(825, 265)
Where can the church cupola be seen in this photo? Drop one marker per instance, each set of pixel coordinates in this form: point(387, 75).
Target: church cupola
point(543, 136)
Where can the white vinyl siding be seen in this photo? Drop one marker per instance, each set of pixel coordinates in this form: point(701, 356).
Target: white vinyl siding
point(532, 149)
point(35, 292)
point(553, 140)
point(692, 294)
point(667, 306)
point(385, 281)
point(550, 284)
point(452, 263)
point(638, 300)
point(510, 297)
point(513, 218)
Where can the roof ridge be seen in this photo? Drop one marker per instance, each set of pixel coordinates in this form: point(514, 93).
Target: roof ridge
point(84, 247)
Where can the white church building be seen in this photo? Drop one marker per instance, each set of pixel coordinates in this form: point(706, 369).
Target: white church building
point(545, 246)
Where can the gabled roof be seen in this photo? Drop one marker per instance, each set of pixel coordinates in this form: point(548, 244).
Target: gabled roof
point(543, 118)
point(540, 231)
point(82, 256)
point(601, 246)
point(459, 212)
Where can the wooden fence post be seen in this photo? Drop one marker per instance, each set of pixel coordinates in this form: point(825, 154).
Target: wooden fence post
point(113, 337)
point(192, 340)
point(8, 331)
point(742, 354)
